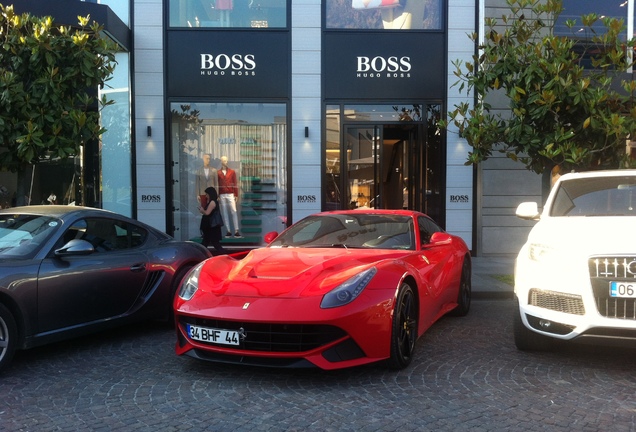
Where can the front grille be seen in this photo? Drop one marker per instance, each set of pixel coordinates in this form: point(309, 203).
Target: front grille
point(277, 362)
point(604, 270)
point(268, 337)
point(557, 301)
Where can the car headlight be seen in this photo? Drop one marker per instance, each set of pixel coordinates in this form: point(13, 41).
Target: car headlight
point(190, 284)
point(540, 252)
point(347, 291)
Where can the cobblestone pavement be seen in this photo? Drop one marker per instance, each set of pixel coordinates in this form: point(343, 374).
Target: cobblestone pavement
point(467, 375)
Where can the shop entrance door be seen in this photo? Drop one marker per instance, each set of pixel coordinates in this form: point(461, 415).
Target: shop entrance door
point(385, 157)
point(390, 166)
point(380, 165)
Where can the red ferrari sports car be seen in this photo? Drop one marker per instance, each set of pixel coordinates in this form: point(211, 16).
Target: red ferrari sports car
point(337, 289)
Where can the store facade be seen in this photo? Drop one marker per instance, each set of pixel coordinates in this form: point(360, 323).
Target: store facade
point(316, 106)
point(228, 98)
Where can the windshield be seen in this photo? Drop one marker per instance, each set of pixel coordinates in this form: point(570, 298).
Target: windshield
point(350, 231)
point(21, 235)
point(596, 196)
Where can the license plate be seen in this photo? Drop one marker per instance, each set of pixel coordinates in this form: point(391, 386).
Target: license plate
point(623, 289)
point(212, 335)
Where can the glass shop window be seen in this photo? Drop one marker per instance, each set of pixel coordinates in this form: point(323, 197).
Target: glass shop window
point(384, 14)
point(228, 13)
point(240, 149)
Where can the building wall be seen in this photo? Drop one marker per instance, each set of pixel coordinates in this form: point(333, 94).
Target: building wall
point(306, 110)
point(459, 178)
point(501, 185)
point(149, 111)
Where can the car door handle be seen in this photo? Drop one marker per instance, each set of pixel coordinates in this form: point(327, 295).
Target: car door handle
point(136, 268)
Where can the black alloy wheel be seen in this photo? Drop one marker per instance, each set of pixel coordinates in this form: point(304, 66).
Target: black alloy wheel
point(8, 336)
point(464, 295)
point(404, 329)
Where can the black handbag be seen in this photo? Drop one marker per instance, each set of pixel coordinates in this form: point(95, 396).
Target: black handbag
point(215, 218)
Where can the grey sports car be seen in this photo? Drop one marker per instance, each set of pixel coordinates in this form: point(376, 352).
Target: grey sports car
point(67, 271)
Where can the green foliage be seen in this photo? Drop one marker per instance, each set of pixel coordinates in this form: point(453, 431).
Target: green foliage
point(49, 76)
point(565, 108)
point(189, 127)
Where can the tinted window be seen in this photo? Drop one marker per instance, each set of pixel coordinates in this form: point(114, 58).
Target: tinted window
point(106, 234)
point(574, 9)
point(427, 228)
point(22, 235)
point(350, 231)
point(597, 196)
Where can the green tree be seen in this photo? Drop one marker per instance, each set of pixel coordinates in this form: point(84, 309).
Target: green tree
point(49, 78)
point(568, 104)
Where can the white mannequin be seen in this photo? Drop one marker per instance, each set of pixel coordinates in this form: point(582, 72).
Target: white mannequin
point(401, 18)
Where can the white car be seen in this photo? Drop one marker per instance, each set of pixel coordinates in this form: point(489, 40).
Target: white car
point(575, 278)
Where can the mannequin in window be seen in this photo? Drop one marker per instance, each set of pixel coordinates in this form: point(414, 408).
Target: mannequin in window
point(224, 7)
point(206, 177)
point(228, 197)
point(401, 18)
point(52, 199)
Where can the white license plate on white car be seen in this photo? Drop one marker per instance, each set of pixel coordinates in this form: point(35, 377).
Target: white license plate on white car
point(212, 335)
point(623, 289)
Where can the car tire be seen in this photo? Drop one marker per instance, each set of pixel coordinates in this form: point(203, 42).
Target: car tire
point(464, 296)
point(8, 336)
point(404, 328)
point(526, 339)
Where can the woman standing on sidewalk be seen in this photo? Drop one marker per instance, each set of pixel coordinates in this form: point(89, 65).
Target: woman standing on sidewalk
point(211, 234)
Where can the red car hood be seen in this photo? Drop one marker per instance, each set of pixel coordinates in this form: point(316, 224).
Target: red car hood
point(288, 272)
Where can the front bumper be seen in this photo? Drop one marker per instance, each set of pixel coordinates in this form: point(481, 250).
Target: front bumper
point(292, 332)
point(577, 304)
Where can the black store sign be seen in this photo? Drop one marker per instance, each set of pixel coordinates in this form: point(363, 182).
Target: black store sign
point(228, 64)
point(384, 65)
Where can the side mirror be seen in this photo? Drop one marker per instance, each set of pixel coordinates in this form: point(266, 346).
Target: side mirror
point(270, 237)
point(528, 211)
point(75, 247)
point(440, 238)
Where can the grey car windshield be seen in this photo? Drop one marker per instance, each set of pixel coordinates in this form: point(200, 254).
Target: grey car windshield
point(597, 196)
point(350, 231)
point(22, 235)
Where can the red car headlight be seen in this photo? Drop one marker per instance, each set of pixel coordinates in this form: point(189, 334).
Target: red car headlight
point(347, 291)
point(190, 284)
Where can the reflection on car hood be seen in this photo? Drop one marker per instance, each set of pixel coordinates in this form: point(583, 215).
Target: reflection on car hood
point(287, 271)
point(587, 235)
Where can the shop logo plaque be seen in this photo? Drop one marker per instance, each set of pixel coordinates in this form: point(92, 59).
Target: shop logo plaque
point(226, 64)
point(381, 67)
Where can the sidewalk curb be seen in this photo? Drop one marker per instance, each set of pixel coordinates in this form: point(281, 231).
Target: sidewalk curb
point(487, 283)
